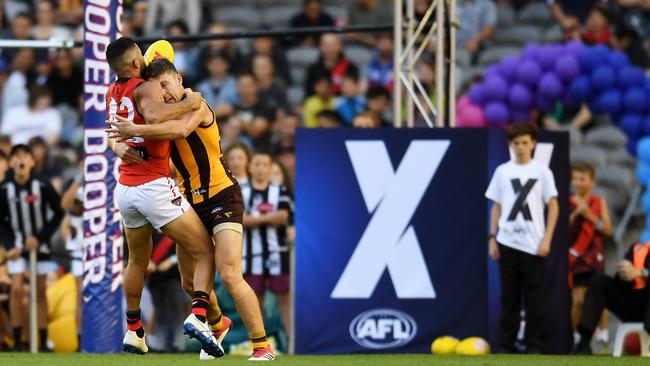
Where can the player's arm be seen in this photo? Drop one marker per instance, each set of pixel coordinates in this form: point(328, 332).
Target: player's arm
point(123, 129)
point(151, 104)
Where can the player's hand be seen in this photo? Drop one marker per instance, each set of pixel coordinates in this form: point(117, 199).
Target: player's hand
point(13, 254)
point(626, 271)
point(121, 129)
point(165, 265)
point(31, 243)
point(151, 268)
point(128, 154)
point(544, 248)
point(493, 249)
point(194, 99)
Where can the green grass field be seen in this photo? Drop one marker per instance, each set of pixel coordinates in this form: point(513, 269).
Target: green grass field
point(14, 359)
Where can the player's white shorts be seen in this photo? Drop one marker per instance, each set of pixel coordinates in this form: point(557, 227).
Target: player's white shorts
point(20, 265)
point(158, 202)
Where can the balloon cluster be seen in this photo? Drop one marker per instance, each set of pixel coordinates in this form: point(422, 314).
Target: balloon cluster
point(572, 73)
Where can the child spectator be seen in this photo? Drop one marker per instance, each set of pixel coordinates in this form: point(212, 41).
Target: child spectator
point(590, 223)
point(597, 27)
point(379, 104)
point(266, 251)
point(328, 119)
point(321, 101)
point(351, 102)
point(237, 157)
point(365, 120)
point(520, 189)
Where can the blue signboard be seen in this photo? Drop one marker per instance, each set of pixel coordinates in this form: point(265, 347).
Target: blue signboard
point(391, 239)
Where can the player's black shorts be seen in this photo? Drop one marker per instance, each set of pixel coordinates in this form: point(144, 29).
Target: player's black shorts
point(223, 210)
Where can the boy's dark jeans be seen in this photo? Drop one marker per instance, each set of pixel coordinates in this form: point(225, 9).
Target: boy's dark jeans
point(522, 276)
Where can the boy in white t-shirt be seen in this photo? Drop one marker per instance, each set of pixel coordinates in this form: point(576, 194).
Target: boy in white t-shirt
point(519, 237)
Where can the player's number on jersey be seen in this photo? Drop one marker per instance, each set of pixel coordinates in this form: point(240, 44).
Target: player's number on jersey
point(125, 104)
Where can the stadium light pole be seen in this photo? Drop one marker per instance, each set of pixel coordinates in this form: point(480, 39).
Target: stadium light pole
point(409, 47)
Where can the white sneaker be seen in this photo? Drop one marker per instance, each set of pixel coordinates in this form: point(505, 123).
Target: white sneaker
point(220, 335)
point(134, 344)
point(201, 331)
point(204, 356)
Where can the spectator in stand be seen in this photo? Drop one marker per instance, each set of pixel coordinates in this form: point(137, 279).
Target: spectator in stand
point(5, 31)
point(237, 157)
point(38, 198)
point(220, 88)
point(368, 12)
point(328, 119)
point(185, 56)
point(21, 29)
point(66, 79)
point(46, 26)
point(570, 13)
point(255, 115)
point(271, 89)
point(379, 72)
point(43, 166)
point(72, 232)
point(237, 61)
point(351, 102)
point(138, 17)
point(284, 133)
point(331, 61)
point(597, 26)
point(37, 118)
point(322, 100)
point(167, 294)
point(266, 248)
point(70, 12)
point(628, 40)
point(478, 18)
point(5, 145)
point(267, 46)
point(4, 165)
point(590, 223)
point(160, 12)
point(365, 120)
point(15, 92)
point(312, 15)
point(379, 104)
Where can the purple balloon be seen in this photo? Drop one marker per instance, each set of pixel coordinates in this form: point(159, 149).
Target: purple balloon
point(463, 101)
point(496, 88)
point(618, 60)
point(635, 100)
point(532, 52)
point(549, 56)
point(631, 76)
point(520, 97)
point(567, 67)
point(574, 48)
point(611, 102)
point(632, 124)
point(529, 72)
point(550, 87)
point(508, 68)
point(589, 59)
point(603, 77)
point(491, 71)
point(497, 113)
point(517, 115)
point(580, 88)
point(477, 94)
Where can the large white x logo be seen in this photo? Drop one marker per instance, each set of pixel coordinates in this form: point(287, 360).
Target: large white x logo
point(389, 241)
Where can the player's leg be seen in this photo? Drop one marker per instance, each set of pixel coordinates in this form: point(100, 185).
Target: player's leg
point(229, 260)
point(16, 307)
point(165, 208)
point(140, 245)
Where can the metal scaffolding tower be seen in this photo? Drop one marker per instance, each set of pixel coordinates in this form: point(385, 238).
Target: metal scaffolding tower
point(411, 39)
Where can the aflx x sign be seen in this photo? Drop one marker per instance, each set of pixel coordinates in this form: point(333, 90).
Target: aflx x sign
point(389, 241)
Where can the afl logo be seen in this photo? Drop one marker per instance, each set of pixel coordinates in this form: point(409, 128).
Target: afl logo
point(383, 328)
